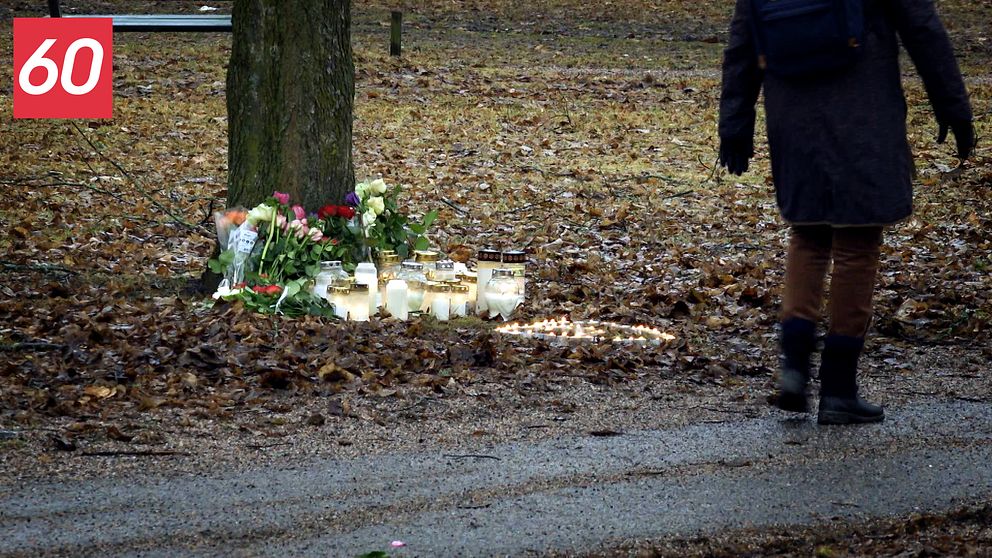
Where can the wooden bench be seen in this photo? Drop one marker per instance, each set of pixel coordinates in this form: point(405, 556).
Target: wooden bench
point(157, 23)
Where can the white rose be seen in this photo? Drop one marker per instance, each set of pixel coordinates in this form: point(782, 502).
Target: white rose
point(368, 218)
point(376, 204)
point(362, 189)
point(261, 214)
point(378, 186)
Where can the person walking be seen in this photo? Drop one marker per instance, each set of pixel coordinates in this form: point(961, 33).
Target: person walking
point(841, 162)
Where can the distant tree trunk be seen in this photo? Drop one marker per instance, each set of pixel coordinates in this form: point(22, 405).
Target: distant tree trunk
point(290, 94)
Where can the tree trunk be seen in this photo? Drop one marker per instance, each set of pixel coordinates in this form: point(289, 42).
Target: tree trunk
point(290, 94)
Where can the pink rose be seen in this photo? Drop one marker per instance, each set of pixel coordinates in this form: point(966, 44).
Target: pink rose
point(298, 228)
point(316, 234)
point(299, 212)
point(281, 197)
point(281, 222)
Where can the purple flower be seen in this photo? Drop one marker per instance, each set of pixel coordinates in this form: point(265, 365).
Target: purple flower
point(352, 199)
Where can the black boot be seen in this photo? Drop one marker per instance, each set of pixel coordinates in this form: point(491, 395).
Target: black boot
point(798, 341)
point(839, 400)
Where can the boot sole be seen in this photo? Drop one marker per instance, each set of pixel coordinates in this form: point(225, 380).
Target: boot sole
point(839, 417)
point(792, 402)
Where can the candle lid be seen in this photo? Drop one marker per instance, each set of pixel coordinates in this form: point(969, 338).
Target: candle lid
point(514, 256)
point(426, 256)
point(367, 267)
point(461, 289)
point(415, 266)
point(389, 259)
point(445, 265)
point(502, 272)
point(488, 255)
point(340, 290)
point(330, 264)
point(438, 288)
point(359, 288)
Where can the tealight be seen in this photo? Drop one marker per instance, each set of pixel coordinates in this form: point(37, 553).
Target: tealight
point(561, 330)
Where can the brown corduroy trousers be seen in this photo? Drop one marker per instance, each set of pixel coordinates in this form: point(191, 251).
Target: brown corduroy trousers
point(855, 255)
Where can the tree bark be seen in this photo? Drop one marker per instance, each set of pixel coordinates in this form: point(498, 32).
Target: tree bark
point(290, 95)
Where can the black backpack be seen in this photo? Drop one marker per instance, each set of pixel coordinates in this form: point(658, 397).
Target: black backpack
point(807, 37)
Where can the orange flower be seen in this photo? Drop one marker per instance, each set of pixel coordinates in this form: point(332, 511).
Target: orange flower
point(236, 216)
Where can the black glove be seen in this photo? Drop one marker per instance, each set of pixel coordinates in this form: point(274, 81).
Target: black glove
point(735, 152)
point(964, 136)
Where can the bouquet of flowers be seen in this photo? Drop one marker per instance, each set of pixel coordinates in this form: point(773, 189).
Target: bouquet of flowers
point(232, 233)
point(384, 226)
point(270, 254)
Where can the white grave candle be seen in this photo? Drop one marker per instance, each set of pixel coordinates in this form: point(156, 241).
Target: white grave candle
point(397, 304)
point(365, 274)
point(358, 303)
point(441, 303)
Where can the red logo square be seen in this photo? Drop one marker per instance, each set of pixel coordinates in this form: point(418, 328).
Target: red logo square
point(63, 68)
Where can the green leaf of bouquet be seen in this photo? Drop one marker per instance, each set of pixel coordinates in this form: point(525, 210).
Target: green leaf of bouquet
point(222, 262)
point(293, 287)
point(312, 270)
point(421, 243)
point(430, 218)
point(418, 228)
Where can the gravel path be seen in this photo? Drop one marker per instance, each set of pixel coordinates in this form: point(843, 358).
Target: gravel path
point(567, 494)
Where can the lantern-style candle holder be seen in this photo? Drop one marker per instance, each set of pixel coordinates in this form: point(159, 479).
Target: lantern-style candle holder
point(503, 294)
point(516, 261)
point(428, 259)
point(338, 297)
point(468, 279)
point(444, 271)
point(439, 295)
point(358, 302)
point(459, 300)
point(416, 283)
point(488, 260)
point(331, 274)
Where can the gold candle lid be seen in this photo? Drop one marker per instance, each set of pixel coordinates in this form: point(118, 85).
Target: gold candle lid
point(339, 290)
point(389, 259)
point(460, 289)
point(439, 287)
point(426, 256)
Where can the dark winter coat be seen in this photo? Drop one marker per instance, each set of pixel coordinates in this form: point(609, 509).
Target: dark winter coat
point(838, 142)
